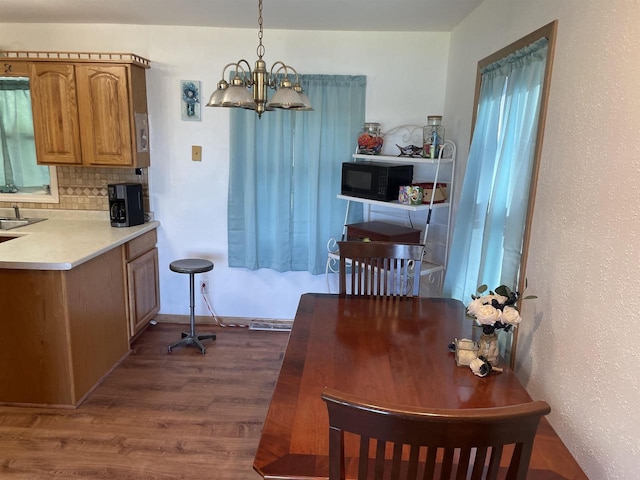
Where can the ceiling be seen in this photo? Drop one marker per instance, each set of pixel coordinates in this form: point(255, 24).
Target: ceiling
point(376, 15)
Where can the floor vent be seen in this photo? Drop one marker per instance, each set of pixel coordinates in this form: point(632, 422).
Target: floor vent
point(275, 325)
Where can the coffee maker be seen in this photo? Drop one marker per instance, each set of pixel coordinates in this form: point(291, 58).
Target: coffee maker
point(125, 204)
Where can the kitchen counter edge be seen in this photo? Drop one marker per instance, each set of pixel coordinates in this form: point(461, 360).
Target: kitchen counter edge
point(61, 244)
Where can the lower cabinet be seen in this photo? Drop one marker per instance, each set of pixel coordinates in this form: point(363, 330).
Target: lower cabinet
point(63, 331)
point(141, 259)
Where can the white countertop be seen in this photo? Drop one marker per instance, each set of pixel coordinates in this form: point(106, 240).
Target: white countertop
point(63, 241)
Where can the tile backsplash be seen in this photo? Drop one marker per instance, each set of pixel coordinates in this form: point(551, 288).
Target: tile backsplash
point(85, 188)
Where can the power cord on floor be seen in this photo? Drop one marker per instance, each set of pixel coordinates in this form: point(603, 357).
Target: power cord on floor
point(215, 317)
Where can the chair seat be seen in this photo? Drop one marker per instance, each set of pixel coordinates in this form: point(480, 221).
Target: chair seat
point(191, 265)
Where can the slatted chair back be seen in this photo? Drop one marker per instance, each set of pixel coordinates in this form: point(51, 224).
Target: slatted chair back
point(380, 268)
point(404, 443)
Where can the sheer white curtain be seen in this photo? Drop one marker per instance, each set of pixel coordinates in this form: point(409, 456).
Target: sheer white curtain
point(285, 173)
point(488, 235)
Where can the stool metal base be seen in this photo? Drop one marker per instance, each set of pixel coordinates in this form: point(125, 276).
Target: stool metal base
point(193, 340)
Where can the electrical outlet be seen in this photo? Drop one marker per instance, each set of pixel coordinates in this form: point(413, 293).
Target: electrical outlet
point(204, 285)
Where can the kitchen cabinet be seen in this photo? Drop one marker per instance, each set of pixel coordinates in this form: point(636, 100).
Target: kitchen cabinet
point(104, 111)
point(141, 257)
point(73, 291)
point(88, 109)
point(55, 114)
point(64, 330)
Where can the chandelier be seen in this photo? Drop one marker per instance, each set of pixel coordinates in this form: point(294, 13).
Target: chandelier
point(238, 94)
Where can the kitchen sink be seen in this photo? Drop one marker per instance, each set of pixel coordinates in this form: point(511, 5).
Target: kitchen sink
point(6, 238)
point(9, 223)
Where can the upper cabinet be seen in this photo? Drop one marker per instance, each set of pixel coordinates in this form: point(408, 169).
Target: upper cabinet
point(105, 110)
point(55, 114)
point(88, 109)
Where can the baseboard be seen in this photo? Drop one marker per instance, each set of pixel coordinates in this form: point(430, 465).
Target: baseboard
point(252, 322)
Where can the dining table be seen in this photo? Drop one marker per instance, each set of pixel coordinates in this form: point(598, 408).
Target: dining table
point(385, 349)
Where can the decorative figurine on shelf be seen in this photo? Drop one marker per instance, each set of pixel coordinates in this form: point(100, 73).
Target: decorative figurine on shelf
point(410, 151)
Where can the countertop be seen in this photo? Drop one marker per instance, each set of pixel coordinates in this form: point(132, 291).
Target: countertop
point(63, 241)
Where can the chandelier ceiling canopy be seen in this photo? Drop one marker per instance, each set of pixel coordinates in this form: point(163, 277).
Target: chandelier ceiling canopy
point(248, 89)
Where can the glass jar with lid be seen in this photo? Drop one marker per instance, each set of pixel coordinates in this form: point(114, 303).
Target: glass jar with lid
point(370, 140)
point(433, 136)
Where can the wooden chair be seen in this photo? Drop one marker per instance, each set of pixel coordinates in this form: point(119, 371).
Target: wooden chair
point(429, 444)
point(380, 268)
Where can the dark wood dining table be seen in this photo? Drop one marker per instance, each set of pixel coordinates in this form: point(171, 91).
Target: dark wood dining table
point(388, 350)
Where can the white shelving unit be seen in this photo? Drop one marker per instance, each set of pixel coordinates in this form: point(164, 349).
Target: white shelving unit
point(433, 219)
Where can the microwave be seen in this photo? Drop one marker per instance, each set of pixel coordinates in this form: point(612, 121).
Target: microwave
point(375, 181)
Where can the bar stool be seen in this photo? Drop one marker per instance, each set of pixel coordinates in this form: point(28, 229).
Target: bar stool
point(192, 266)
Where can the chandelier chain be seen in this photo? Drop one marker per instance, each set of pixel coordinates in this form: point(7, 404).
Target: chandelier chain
point(260, 49)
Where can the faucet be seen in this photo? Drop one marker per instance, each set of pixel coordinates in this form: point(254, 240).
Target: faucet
point(17, 210)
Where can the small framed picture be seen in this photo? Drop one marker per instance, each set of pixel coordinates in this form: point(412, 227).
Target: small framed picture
point(190, 104)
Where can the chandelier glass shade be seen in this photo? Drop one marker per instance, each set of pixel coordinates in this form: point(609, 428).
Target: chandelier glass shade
point(248, 88)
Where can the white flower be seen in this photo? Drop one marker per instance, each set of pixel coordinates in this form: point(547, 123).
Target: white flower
point(474, 305)
point(487, 314)
point(510, 315)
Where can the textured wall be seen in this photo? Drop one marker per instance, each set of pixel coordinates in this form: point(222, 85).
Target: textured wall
point(578, 340)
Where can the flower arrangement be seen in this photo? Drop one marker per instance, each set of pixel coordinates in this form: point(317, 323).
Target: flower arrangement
point(497, 310)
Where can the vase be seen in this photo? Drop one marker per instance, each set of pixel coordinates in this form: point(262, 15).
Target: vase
point(488, 347)
point(433, 136)
point(370, 140)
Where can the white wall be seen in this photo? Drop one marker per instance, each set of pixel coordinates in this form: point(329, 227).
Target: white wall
point(190, 198)
point(577, 347)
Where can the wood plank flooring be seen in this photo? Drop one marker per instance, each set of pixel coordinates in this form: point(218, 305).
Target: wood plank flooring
point(157, 416)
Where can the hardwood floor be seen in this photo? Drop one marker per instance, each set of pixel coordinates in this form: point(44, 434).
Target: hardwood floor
point(157, 416)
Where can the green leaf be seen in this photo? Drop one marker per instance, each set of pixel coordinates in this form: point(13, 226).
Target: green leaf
point(504, 291)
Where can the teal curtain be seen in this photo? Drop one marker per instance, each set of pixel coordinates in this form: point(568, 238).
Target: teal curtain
point(18, 166)
point(285, 173)
point(488, 235)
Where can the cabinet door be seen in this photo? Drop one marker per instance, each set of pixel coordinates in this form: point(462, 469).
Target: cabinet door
point(105, 123)
point(55, 113)
point(143, 286)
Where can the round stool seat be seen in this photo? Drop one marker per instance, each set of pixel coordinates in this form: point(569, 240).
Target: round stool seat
point(191, 265)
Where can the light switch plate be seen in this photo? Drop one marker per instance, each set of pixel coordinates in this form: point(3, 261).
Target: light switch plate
point(196, 153)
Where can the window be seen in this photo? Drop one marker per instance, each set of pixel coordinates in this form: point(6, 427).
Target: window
point(491, 232)
point(21, 178)
point(499, 184)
